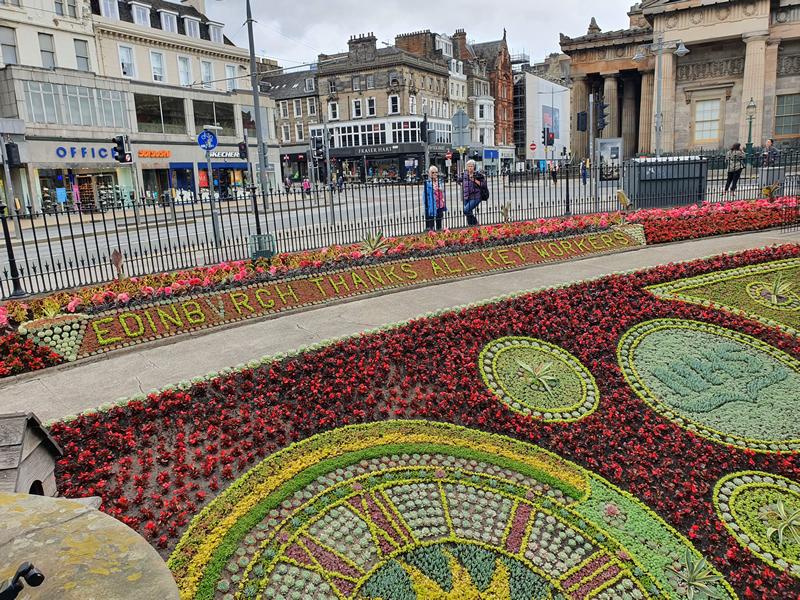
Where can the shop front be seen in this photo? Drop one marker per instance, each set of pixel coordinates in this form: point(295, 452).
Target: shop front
point(294, 163)
point(389, 163)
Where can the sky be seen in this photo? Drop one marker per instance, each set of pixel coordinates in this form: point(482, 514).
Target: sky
point(296, 31)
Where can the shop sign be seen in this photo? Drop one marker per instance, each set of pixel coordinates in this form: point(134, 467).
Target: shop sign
point(363, 150)
point(224, 154)
point(154, 153)
point(85, 152)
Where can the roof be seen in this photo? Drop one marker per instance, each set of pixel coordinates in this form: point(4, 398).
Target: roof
point(650, 7)
point(488, 49)
point(605, 38)
point(12, 434)
point(183, 10)
point(331, 64)
point(283, 86)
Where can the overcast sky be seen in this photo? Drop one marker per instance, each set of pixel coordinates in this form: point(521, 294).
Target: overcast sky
point(296, 31)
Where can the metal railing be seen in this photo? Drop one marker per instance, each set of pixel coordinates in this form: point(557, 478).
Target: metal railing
point(66, 247)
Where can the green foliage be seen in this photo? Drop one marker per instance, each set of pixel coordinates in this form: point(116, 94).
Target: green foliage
point(374, 243)
point(785, 524)
point(697, 578)
point(780, 288)
point(51, 308)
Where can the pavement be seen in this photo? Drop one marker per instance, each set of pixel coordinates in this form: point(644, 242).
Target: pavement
point(73, 388)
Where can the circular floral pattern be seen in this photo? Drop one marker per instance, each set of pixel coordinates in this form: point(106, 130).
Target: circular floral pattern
point(535, 378)
point(718, 383)
point(764, 293)
point(409, 510)
point(762, 511)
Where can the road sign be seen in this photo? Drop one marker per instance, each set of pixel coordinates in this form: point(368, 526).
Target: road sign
point(533, 146)
point(449, 155)
point(460, 120)
point(207, 140)
point(491, 154)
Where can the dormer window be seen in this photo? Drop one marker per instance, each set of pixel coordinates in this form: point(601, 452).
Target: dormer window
point(191, 26)
point(215, 33)
point(141, 14)
point(109, 9)
point(169, 21)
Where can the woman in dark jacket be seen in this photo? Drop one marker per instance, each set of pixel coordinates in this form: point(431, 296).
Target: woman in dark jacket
point(472, 182)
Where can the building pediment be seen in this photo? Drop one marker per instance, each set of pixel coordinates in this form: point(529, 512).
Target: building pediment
point(654, 7)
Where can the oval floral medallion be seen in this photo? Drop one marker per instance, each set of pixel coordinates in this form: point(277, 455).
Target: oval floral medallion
point(721, 384)
point(415, 510)
point(762, 511)
point(536, 378)
point(777, 294)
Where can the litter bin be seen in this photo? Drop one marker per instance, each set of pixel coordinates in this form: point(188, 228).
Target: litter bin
point(262, 246)
point(666, 181)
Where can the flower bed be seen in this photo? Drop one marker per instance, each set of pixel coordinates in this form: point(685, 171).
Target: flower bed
point(627, 482)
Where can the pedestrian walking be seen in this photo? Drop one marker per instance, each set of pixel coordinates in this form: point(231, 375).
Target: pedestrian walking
point(474, 189)
point(770, 154)
point(340, 183)
point(584, 171)
point(287, 184)
point(434, 200)
point(306, 186)
point(735, 161)
point(554, 172)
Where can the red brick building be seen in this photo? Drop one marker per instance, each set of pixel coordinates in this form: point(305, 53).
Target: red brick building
point(501, 79)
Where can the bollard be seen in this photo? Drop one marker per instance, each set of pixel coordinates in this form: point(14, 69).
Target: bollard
point(17, 291)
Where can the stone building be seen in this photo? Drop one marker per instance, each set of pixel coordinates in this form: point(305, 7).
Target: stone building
point(738, 51)
point(374, 100)
point(501, 79)
point(539, 103)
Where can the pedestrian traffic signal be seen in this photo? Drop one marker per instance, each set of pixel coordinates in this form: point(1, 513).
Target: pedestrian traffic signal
point(121, 155)
point(551, 138)
point(12, 154)
point(583, 121)
point(602, 116)
point(243, 150)
point(545, 133)
point(423, 134)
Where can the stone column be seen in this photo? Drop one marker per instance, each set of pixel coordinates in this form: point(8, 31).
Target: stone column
point(611, 97)
point(629, 117)
point(753, 84)
point(646, 113)
point(580, 101)
point(770, 86)
point(668, 74)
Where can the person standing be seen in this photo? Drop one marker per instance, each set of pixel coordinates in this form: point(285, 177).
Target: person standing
point(584, 171)
point(472, 184)
point(735, 161)
point(287, 184)
point(770, 154)
point(434, 200)
point(306, 186)
point(554, 172)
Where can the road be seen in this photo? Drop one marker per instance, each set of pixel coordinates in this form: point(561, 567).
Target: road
point(66, 250)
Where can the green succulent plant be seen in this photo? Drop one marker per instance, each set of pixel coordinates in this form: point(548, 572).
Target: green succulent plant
point(784, 526)
point(696, 578)
point(779, 289)
point(538, 376)
point(374, 243)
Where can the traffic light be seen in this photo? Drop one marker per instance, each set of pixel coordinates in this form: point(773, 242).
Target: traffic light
point(423, 134)
point(243, 150)
point(318, 148)
point(551, 138)
point(602, 116)
point(544, 136)
point(583, 121)
point(12, 154)
point(121, 155)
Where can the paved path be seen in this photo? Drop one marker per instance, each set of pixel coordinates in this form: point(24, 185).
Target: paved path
point(73, 388)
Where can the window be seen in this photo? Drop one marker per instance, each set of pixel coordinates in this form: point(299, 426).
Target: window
point(157, 114)
point(82, 55)
point(191, 27)
point(446, 110)
point(706, 121)
point(312, 107)
point(298, 130)
point(215, 33)
point(42, 101)
point(412, 105)
point(47, 50)
point(284, 108)
point(333, 111)
point(394, 104)
point(214, 113)
point(370, 82)
point(169, 21)
point(79, 105)
point(481, 111)
point(8, 44)
point(331, 86)
point(787, 116)
point(141, 14)
point(206, 74)
point(157, 66)
point(356, 84)
point(67, 8)
point(286, 135)
point(371, 107)
point(249, 121)
point(424, 106)
point(309, 84)
point(9, 2)
point(298, 107)
point(109, 9)
point(126, 61)
point(185, 70)
point(357, 113)
point(230, 77)
point(111, 109)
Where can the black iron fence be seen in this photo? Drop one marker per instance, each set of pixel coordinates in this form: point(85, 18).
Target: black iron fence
point(61, 248)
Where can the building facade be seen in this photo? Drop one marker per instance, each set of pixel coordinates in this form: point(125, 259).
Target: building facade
point(157, 72)
point(374, 100)
point(538, 104)
point(738, 51)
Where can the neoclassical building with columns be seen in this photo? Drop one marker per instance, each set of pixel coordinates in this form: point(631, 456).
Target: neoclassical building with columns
point(738, 50)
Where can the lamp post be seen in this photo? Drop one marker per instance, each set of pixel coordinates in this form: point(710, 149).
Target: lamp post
point(751, 115)
point(658, 48)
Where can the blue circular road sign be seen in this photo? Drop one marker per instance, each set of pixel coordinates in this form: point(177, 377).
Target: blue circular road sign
point(207, 140)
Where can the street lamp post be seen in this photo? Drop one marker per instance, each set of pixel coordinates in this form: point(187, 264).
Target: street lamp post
point(658, 47)
point(751, 115)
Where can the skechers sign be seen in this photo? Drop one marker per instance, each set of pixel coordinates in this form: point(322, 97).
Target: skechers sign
point(104, 153)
